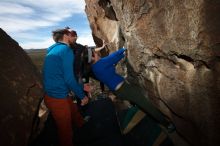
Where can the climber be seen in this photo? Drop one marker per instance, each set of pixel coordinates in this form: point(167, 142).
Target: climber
point(104, 70)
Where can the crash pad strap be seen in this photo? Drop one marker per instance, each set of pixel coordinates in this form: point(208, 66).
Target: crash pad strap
point(160, 139)
point(139, 115)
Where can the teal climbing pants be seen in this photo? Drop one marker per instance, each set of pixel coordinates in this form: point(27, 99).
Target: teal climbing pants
point(136, 96)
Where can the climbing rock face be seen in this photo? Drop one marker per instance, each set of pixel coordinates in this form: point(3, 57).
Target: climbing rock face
point(20, 90)
point(173, 54)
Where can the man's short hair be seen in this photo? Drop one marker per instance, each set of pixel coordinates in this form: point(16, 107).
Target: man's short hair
point(58, 33)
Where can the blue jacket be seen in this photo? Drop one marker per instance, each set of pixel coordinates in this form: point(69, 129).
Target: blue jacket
point(104, 69)
point(58, 76)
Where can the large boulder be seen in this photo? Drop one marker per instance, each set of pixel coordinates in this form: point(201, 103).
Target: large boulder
point(20, 91)
point(173, 54)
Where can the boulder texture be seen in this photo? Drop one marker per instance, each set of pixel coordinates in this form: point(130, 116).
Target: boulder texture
point(173, 54)
point(20, 91)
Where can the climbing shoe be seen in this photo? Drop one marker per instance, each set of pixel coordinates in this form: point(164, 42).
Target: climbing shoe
point(86, 118)
point(170, 128)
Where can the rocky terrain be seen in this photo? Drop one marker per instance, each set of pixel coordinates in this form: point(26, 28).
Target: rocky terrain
point(173, 54)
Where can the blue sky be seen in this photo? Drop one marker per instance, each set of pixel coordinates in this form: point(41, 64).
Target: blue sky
point(30, 22)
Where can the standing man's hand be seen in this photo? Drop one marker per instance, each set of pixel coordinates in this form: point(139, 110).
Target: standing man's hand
point(88, 89)
point(84, 101)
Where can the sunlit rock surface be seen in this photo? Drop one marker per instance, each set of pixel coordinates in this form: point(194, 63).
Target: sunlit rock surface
point(20, 90)
point(174, 52)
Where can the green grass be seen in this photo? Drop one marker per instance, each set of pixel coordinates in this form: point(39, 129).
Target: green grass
point(37, 56)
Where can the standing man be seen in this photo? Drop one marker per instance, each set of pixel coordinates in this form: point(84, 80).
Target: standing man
point(59, 80)
point(81, 65)
point(83, 62)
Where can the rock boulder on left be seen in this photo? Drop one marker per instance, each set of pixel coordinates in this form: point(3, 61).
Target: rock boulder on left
point(20, 91)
